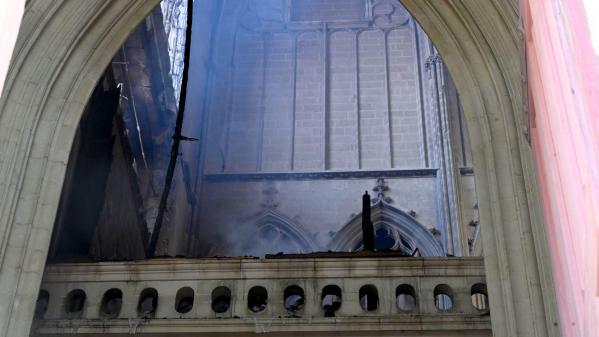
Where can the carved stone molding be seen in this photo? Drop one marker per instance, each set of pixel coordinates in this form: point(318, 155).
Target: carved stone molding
point(321, 175)
point(388, 14)
point(408, 228)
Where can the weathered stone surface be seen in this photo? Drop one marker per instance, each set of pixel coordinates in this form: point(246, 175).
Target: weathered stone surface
point(64, 46)
point(239, 275)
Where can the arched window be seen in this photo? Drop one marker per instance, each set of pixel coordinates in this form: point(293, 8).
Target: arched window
point(443, 297)
point(293, 299)
point(331, 300)
point(112, 302)
point(369, 298)
point(257, 299)
point(41, 305)
point(148, 301)
point(479, 297)
point(268, 233)
point(221, 299)
point(405, 298)
point(394, 230)
point(74, 303)
point(387, 238)
point(184, 300)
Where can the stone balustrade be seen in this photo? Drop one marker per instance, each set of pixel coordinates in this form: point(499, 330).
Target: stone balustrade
point(419, 295)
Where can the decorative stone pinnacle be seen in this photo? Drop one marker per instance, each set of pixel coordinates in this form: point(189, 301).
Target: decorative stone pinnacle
point(381, 188)
point(269, 197)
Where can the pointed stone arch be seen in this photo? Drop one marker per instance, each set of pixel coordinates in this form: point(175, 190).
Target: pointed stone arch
point(414, 234)
point(64, 46)
point(266, 232)
point(288, 226)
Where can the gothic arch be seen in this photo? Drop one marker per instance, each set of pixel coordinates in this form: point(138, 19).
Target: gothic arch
point(254, 235)
point(64, 46)
point(385, 215)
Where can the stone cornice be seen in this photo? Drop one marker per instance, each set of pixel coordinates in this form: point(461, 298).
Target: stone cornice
point(356, 324)
point(406, 173)
point(250, 268)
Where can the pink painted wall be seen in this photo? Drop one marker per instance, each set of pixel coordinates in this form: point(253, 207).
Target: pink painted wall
point(10, 19)
point(563, 73)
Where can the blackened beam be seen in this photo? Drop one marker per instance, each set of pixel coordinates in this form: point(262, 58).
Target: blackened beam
point(367, 226)
point(177, 137)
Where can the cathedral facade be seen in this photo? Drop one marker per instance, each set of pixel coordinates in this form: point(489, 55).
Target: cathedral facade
point(295, 110)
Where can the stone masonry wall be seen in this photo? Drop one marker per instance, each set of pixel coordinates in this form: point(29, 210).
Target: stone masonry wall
point(327, 10)
point(350, 94)
point(309, 89)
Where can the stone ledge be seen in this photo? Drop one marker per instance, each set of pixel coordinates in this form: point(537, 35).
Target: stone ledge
point(254, 268)
point(406, 322)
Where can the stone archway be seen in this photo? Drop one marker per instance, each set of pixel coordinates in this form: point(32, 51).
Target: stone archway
point(384, 216)
point(480, 42)
point(64, 46)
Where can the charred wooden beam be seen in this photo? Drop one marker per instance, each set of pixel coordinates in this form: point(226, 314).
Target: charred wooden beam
point(367, 226)
point(177, 137)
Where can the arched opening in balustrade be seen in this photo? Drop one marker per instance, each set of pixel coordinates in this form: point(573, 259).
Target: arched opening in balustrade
point(331, 300)
point(293, 299)
point(405, 298)
point(41, 305)
point(112, 303)
point(74, 303)
point(257, 299)
point(369, 297)
point(479, 297)
point(184, 300)
point(443, 295)
point(148, 302)
point(221, 299)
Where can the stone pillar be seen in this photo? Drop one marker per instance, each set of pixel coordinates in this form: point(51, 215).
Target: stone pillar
point(62, 49)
